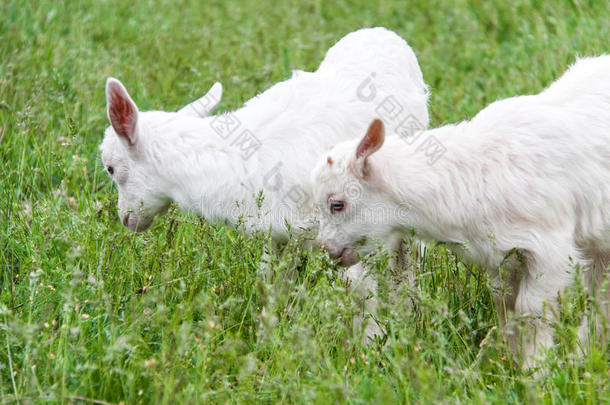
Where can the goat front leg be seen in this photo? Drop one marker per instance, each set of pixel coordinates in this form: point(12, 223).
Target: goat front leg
point(505, 282)
point(602, 288)
point(597, 282)
point(363, 286)
point(547, 275)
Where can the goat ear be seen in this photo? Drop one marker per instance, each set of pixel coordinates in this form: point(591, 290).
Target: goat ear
point(204, 106)
point(122, 111)
point(372, 141)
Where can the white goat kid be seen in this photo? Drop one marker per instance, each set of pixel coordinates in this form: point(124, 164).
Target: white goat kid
point(528, 174)
point(207, 165)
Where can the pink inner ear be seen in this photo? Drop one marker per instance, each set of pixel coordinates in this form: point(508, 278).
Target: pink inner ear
point(122, 113)
point(372, 140)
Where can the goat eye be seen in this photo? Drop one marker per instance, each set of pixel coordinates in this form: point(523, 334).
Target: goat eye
point(336, 206)
point(110, 170)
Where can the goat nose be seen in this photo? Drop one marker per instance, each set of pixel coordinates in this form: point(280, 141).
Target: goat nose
point(126, 219)
point(333, 252)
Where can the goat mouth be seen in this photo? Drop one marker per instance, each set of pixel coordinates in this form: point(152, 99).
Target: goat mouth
point(136, 223)
point(348, 257)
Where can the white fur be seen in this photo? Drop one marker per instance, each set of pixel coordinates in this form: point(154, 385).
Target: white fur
point(177, 157)
point(204, 106)
point(530, 173)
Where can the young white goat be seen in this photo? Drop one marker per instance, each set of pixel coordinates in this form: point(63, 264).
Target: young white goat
point(208, 165)
point(523, 187)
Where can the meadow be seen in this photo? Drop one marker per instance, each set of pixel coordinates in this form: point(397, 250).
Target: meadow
point(90, 312)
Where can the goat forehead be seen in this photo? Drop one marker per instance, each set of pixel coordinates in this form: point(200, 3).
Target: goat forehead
point(323, 177)
point(331, 183)
point(111, 148)
point(336, 173)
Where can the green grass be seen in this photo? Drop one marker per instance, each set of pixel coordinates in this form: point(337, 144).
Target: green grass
point(174, 315)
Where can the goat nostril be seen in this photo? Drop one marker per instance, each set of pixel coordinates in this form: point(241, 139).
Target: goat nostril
point(126, 220)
